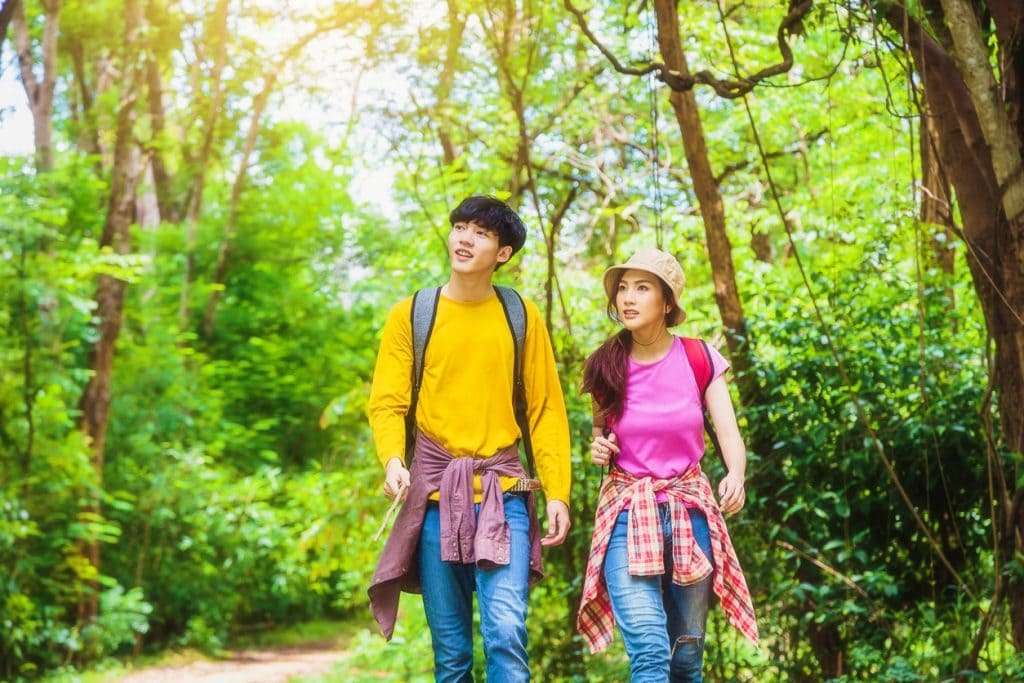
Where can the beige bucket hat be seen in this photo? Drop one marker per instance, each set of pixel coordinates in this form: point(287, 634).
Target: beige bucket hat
point(656, 262)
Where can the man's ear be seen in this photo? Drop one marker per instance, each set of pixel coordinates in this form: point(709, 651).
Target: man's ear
point(505, 253)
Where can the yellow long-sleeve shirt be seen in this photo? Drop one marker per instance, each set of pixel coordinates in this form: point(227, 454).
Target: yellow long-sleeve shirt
point(465, 400)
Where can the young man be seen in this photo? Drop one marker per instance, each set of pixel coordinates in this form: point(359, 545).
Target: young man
point(467, 524)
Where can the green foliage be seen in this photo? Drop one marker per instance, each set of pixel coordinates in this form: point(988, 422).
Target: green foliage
point(239, 487)
point(123, 617)
point(916, 386)
point(203, 531)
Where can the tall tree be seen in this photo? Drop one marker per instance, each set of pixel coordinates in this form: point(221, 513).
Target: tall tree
point(217, 37)
point(978, 115)
point(443, 91)
point(165, 29)
point(125, 173)
point(39, 90)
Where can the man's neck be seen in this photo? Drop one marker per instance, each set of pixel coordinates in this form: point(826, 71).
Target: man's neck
point(468, 288)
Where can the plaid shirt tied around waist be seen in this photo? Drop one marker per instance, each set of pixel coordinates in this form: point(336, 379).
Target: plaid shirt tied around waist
point(595, 621)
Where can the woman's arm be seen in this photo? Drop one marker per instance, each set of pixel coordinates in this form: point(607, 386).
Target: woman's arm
point(731, 493)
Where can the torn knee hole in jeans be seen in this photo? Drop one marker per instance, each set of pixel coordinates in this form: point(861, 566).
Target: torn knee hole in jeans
point(682, 641)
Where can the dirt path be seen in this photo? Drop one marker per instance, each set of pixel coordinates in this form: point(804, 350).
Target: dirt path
point(250, 666)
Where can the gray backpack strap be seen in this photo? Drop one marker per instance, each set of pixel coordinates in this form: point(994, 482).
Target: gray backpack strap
point(422, 315)
point(515, 315)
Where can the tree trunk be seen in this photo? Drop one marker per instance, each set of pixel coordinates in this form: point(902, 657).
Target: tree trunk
point(827, 643)
point(227, 243)
point(551, 245)
point(161, 178)
point(456, 26)
point(723, 273)
point(26, 313)
point(40, 93)
point(95, 402)
point(218, 35)
point(936, 208)
point(88, 137)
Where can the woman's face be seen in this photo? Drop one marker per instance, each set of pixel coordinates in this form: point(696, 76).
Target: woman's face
point(640, 301)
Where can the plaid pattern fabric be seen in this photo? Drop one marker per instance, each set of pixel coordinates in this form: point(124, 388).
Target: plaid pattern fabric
point(646, 547)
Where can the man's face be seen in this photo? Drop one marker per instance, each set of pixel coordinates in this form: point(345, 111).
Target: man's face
point(473, 248)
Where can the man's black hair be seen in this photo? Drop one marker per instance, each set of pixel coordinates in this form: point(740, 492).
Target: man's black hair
point(492, 213)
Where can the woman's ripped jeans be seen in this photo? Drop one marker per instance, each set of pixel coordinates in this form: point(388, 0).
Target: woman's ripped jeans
point(662, 624)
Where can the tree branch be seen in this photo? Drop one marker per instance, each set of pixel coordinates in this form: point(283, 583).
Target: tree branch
point(791, 24)
point(23, 46)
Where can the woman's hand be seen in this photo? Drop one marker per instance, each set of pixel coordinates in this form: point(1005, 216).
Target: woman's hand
point(603, 449)
point(731, 494)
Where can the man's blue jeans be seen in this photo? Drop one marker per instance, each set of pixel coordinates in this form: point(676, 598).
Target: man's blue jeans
point(502, 593)
point(662, 624)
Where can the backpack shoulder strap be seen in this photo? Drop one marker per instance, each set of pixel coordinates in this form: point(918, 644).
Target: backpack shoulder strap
point(422, 315)
point(700, 361)
point(699, 356)
point(515, 315)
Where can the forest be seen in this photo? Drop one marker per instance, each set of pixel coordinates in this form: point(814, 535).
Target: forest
point(214, 204)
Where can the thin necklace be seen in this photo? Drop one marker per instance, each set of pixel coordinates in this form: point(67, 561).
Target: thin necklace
point(656, 338)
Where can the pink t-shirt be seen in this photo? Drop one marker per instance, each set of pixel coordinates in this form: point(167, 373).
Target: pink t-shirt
point(661, 430)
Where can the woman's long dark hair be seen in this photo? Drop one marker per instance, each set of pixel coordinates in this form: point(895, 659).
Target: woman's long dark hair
point(604, 373)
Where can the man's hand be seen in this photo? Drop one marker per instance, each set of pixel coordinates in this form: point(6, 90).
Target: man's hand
point(558, 523)
point(731, 494)
point(396, 479)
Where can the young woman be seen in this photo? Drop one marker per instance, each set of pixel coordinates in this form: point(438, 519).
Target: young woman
point(660, 545)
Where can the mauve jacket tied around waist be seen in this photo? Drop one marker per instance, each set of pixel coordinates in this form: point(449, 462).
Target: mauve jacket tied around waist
point(466, 537)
